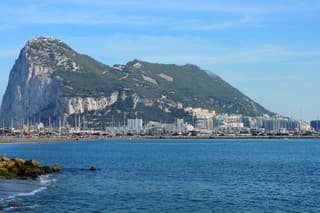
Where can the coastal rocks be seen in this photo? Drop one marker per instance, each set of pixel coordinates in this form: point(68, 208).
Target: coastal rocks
point(4, 172)
point(47, 169)
point(19, 161)
point(93, 168)
point(56, 168)
point(33, 172)
point(33, 163)
point(3, 164)
point(4, 158)
point(10, 164)
point(20, 168)
point(11, 205)
point(15, 205)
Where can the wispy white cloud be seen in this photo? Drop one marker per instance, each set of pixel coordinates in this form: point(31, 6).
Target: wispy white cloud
point(263, 54)
point(119, 48)
point(85, 19)
point(207, 25)
point(239, 77)
point(143, 13)
point(258, 55)
point(196, 6)
point(193, 49)
point(249, 8)
point(167, 23)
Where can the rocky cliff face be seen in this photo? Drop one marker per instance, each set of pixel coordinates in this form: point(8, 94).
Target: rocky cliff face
point(50, 81)
point(35, 89)
point(32, 89)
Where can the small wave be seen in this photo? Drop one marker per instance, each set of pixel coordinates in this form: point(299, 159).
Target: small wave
point(18, 188)
point(46, 180)
point(29, 193)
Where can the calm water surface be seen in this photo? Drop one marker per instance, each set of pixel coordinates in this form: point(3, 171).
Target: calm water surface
point(170, 176)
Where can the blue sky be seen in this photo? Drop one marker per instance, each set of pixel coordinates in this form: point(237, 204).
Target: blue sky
point(269, 50)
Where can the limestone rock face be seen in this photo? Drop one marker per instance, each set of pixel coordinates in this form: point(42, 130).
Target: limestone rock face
point(36, 90)
point(33, 86)
point(82, 104)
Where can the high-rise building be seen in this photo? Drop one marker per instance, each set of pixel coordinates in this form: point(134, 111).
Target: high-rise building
point(180, 126)
point(315, 125)
point(259, 122)
point(204, 123)
point(135, 126)
point(249, 122)
point(274, 125)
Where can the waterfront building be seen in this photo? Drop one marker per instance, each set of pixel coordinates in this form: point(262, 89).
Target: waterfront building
point(218, 121)
point(305, 126)
point(279, 125)
point(199, 112)
point(249, 122)
point(204, 123)
point(112, 130)
point(315, 125)
point(180, 126)
point(154, 128)
point(259, 122)
point(135, 126)
point(234, 120)
point(168, 128)
point(246, 121)
point(232, 130)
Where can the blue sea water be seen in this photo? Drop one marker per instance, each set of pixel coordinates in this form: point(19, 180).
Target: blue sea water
point(169, 176)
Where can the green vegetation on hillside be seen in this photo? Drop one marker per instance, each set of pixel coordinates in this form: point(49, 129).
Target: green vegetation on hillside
point(164, 84)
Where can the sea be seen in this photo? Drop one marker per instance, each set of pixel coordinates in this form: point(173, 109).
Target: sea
point(169, 176)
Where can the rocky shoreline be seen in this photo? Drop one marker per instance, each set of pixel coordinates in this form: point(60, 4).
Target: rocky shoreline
point(24, 169)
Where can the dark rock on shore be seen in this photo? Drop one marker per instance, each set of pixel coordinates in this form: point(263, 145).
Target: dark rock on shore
point(20, 168)
point(4, 158)
point(47, 169)
point(32, 172)
point(33, 163)
point(4, 172)
point(56, 168)
point(11, 205)
point(19, 161)
point(15, 205)
point(93, 168)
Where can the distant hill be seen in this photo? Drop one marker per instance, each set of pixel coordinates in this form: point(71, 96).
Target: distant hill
point(50, 80)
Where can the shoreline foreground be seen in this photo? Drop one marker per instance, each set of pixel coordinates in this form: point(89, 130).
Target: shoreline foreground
point(66, 138)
